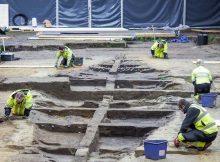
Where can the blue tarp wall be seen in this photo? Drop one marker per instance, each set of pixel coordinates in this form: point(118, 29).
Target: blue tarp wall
point(203, 13)
point(41, 9)
point(118, 13)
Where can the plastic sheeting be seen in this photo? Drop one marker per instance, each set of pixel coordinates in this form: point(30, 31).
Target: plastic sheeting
point(203, 13)
point(73, 13)
point(106, 13)
point(144, 13)
point(40, 9)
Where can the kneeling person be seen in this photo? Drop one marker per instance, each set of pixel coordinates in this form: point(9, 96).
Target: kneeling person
point(201, 79)
point(67, 55)
point(19, 102)
point(198, 129)
point(159, 49)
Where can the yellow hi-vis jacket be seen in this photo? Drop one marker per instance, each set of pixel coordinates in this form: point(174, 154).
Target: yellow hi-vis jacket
point(67, 54)
point(18, 108)
point(201, 75)
point(204, 122)
point(159, 52)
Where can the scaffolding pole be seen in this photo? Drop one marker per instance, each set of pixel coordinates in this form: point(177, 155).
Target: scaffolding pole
point(122, 11)
point(90, 13)
point(57, 13)
point(184, 12)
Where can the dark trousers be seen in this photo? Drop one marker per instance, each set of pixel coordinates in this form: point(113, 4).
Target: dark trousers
point(64, 61)
point(196, 135)
point(202, 88)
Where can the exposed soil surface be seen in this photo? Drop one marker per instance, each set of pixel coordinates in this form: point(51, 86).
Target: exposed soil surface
point(118, 98)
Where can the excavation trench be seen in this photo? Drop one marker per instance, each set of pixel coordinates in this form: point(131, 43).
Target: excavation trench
point(98, 112)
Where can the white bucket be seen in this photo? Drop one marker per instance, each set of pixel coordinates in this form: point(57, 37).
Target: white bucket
point(34, 22)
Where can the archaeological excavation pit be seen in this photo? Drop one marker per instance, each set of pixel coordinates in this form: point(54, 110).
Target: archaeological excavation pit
point(98, 113)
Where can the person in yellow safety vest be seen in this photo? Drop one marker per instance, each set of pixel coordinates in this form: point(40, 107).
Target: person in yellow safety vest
point(67, 55)
point(159, 49)
point(198, 129)
point(201, 79)
point(19, 102)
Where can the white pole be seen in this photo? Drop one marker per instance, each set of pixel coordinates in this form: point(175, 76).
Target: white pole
point(153, 33)
point(122, 15)
point(184, 12)
point(90, 13)
point(57, 13)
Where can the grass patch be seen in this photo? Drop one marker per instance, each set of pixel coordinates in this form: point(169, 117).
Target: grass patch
point(213, 39)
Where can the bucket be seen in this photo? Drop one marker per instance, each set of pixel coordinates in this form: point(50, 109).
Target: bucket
point(34, 22)
point(155, 149)
point(209, 99)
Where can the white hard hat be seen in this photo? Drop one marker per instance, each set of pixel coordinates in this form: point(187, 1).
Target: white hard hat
point(198, 62)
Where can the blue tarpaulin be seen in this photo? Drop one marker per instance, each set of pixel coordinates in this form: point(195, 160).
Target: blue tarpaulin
point(106, 13)
point(40, 9)
point(142, 13)
point(110, 13)
point(203, 13)
point(73, 13)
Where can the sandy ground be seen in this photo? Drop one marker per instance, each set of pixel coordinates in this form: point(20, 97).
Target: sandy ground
point(169, 132)
point(180, 62)
point(19, 133)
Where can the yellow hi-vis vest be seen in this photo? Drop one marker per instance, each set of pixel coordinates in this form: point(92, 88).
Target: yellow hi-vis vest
point(18, 108)
point(67, 54)
point(204, 122)
point(159, 52)
point(201, 75)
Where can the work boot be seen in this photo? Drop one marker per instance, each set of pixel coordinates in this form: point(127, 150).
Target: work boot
point(205, 147)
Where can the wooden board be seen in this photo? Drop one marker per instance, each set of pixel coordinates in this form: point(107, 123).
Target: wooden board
point(155, 34)
point(4, 37)
point(206, 31)
point(83, 36)
point(209, 62)
point(79, 39)
point(26, 66)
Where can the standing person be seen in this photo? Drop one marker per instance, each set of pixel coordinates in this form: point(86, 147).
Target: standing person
point(19, 102)
point(198, 128)
point(201, 79)
point(159, 49)
point(67, 55)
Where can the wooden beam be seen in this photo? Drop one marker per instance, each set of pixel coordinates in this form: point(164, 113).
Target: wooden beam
point(209, 62)
point(206, 31)
point(26, 66)
point(156, 34)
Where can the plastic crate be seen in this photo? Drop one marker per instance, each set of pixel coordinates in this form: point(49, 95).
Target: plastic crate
point(155, 149)
point(209, 99)
point(78, 61)
point(7, 56)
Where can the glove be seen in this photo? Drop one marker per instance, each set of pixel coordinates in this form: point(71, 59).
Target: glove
point(165, 55)
point(176, 142)
point(55, 66)
point(193, 82)
point(7, 111)
point(27, 112)
point(152, 53)
point(210, 82)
